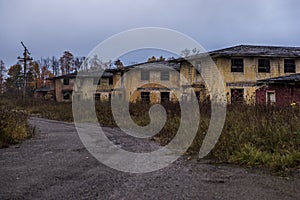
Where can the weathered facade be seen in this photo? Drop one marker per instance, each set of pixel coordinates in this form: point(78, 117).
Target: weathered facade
point(241, 67)
point(279, 91)
point(62, 87)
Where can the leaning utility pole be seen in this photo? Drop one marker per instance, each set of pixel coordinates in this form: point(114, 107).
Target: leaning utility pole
point(24, 60)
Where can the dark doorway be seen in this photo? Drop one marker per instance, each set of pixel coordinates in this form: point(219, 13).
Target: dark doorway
point(165, 96)
point(237, 96)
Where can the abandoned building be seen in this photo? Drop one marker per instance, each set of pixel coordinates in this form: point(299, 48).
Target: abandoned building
point(62, 87)
point(155, 83)
point(279, 91)
point(241, 67)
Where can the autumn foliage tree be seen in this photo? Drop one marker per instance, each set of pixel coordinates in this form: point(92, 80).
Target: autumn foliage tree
point(66, 62)
point(15, 79)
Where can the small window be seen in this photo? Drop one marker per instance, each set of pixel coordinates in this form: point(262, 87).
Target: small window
point(66, 95)
point(164, 75)
point(237, 65)
point(97, 96)
point(289, 66)
point(271, 99)
point(145, 75)
point(66, 81)
point(165, 96)
point(145, 97)
point(237, 96)
point(264, 65)
point(197, 95)
point(110, 81)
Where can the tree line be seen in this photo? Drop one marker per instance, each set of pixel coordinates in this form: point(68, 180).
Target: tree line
point(37, 72)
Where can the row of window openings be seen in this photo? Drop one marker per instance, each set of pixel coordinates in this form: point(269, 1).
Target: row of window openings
point(164, 96)
point(164, 75)
point(237, 96)
point(96, 81)
point(237, 65)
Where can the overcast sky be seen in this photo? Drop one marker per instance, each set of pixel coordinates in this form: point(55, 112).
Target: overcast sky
point(50, 27)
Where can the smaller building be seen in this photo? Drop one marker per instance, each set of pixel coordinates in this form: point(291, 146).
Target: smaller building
point(279, 91)
point(43, 93)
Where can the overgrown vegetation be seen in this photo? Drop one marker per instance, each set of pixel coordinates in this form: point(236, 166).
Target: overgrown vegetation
point(263, 136)
point(13, 127)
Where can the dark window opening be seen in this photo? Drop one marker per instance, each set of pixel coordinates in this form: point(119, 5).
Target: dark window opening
point(197, 95)
point(145, 75)
point(165, 96)
point(145, 97)
point(164, 75)
point(66, 81)
point(97, 97)
point(264, 65)
point(237, 96)
point(289, 66)
point(110, 81)
point(237, 65)
point(66, 95)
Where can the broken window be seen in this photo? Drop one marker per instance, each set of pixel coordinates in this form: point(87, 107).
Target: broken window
point(145, 75)
point(145, 97)
point(66, 81)
point(237, 65)
point(165, 96)
point(271, 99)
point(264, 65)
point(164, 75)
point(289, 66)
point(66, 95)
point(237, 96)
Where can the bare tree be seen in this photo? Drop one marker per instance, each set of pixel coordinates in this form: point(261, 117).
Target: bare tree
point(54, 66)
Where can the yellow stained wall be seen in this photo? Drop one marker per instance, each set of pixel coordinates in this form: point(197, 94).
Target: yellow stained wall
point(250, 74)
point(132, 81)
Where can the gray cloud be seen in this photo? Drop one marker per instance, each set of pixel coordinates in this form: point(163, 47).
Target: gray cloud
point(50, 27)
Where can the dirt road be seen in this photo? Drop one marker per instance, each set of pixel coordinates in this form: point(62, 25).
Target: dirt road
point(55, 165)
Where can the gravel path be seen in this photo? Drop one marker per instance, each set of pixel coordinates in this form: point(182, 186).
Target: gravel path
point(55, 165)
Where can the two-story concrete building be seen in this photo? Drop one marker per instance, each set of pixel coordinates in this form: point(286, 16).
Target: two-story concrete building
point(241, 67)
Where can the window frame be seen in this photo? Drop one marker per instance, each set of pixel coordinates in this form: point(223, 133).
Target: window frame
point(288, 66)
point(263, 65)
point(143, 99)
point(66, 81)
point(235, 67)
point(145, 75)
point(164, 75)
point(164, 99)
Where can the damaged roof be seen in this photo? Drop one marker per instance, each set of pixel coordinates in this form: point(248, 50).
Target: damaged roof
point(281, 79)
point(253, 50)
